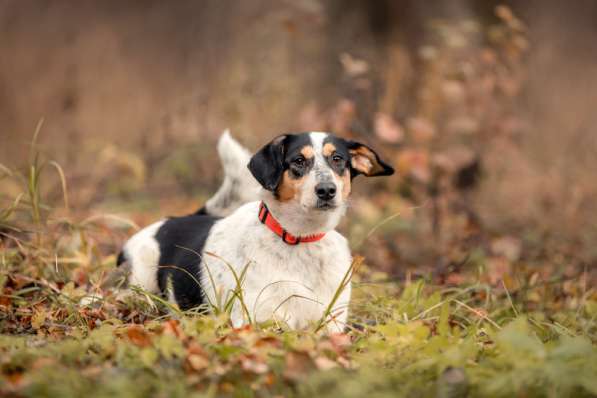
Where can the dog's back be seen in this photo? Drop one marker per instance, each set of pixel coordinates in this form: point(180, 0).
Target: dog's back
point(238, 187)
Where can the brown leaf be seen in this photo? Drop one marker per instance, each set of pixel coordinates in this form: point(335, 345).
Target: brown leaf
point(464, 125)
point(5, 301)
point(455, 279)
point(14, 378)
point(80, 276)
point(38, 319)
point(342, 115)
point(344, 362)
point(42, 363)
point(387, 129)
point(253, 365)
point(420, 129)
point(498, 269)
point(507, 246)
point(324, 363)
point(340, 341)
point(268, 341)
point(172, 327)
point(453, 91)
point(353, 66)
point(298, 364)
point(138, 336)
point(197, 362)
point(416, 163)
point(196, 348)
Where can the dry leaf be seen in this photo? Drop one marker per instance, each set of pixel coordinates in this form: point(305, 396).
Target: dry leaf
point(197, 362)
point(387, 129)
point(172, 327)
point(421, 130)
point(324, 363)
point(342, 115)
point(340, 340)
point(298, 364)
point(38, 319)
point(138, 336)
point(507, 246)
point(251, 364)
point(353, 66)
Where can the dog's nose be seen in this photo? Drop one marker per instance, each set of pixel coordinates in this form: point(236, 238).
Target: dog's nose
point(325, 190)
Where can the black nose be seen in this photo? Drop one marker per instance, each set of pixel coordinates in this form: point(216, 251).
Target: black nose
point(325, 190)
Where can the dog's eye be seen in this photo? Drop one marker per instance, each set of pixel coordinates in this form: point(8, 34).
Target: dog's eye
point(300, 161)
point(337, 158)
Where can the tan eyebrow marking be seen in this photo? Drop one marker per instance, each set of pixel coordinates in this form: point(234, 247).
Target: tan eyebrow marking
point(328, 149)
point(308, 152)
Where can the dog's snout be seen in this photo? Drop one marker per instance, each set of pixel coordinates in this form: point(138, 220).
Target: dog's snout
point(325, 190)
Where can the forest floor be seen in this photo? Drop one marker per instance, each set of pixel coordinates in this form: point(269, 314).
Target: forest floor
point(470, 332)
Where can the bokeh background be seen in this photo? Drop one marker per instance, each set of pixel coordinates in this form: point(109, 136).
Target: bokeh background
point(486, 109)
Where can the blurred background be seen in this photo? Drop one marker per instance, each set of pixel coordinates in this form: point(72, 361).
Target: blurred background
point(486, 109)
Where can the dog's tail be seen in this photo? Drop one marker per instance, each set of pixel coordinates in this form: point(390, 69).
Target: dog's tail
point(239, 186)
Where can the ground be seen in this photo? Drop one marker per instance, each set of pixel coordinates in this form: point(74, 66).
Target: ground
point(471, 330)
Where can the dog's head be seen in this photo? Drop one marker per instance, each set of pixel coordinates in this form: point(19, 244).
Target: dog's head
point(312, 172)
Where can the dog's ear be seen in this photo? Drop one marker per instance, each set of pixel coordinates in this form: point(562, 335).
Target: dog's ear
point(364, 160)
point(267, 165)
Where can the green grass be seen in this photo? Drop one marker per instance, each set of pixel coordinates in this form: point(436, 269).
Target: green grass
point(533, 338)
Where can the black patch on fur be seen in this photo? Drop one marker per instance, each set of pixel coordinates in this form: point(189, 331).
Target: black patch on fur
point(121, 259)
point(181, 241)
point(270, 162)
point(294, 146)
point(201, 212)
point(267, 164)
point(342, 151)
point(343, 148)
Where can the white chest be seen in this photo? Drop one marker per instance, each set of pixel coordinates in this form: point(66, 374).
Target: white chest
point(291, 284)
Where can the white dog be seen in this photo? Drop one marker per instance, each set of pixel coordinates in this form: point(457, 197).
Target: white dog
point(278, 258)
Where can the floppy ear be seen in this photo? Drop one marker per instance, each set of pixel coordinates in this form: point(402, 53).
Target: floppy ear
point(364, 160)
point(267, 164)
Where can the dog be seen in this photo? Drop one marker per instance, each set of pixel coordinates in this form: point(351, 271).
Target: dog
point(265, 245)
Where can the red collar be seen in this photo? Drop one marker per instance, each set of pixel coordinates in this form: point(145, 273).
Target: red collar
point(268, 219)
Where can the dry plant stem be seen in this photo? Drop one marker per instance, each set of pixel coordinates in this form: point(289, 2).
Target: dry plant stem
point(345, 281)
point(237, 292)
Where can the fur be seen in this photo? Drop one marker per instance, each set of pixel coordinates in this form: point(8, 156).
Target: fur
point(305, 181)
point(239, 186)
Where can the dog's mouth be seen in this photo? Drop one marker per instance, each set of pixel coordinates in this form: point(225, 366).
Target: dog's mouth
point(324, 205)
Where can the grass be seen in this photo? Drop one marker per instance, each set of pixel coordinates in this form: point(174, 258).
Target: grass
point(405, 337)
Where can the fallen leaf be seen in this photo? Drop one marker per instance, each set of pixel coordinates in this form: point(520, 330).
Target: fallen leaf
point(138, 336)
point(251, 364)
point(387, 129)
point(172, 327)
point(353, 66)
point(340, 340)
point(420, 129)
point(342, 115)
point(38, 319)
point(197, 362)
point(324, 363)
point(298, 364)
point(508, 247)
